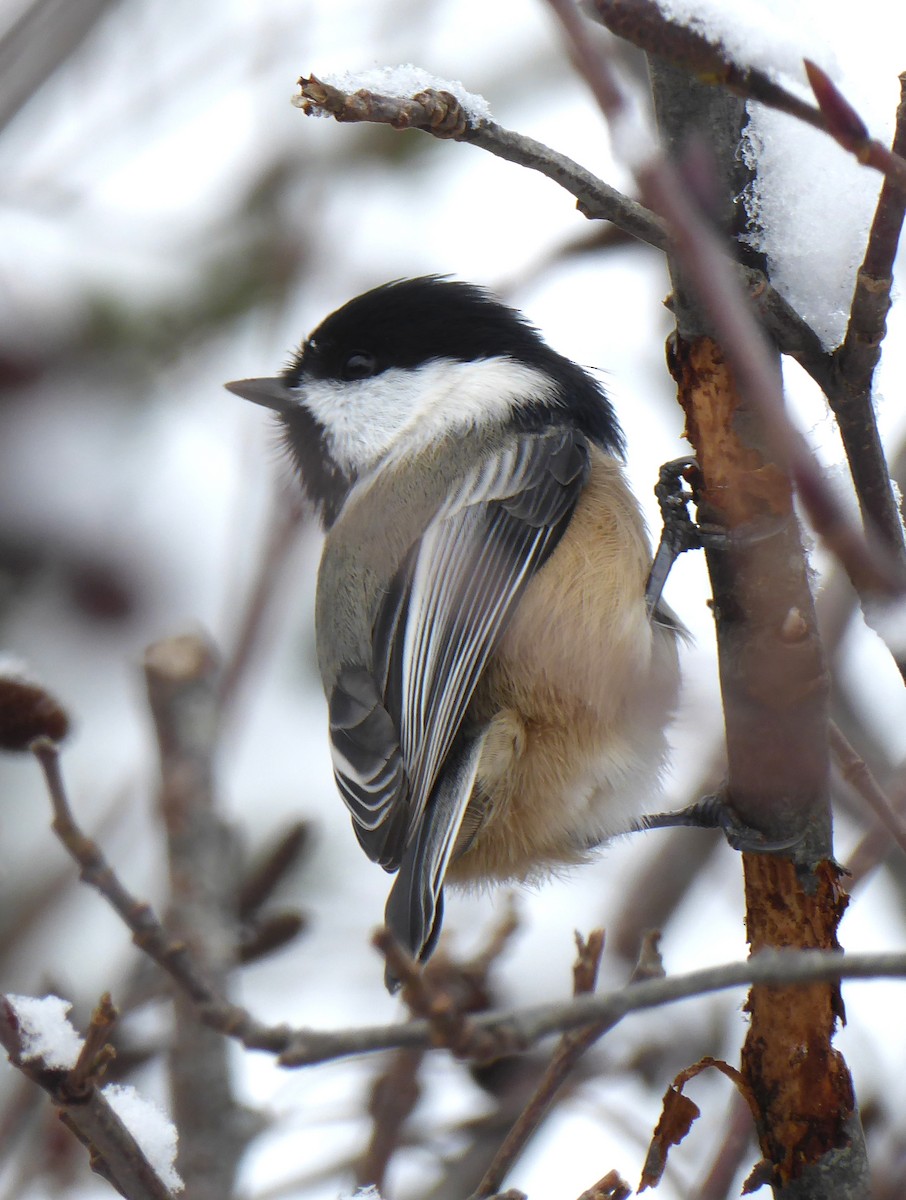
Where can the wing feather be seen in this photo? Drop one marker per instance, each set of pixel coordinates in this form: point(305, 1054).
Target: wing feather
point(404, 756)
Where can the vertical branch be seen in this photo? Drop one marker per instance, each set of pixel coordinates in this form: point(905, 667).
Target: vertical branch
point(775, 696)
point(182, 681)
point(772, 673)
point(775, 693)
point(773, 677)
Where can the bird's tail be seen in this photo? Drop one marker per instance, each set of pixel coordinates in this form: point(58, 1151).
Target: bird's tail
point(415, 906)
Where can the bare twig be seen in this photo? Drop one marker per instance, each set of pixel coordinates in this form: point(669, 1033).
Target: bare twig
point(610, 1187)
point(856, 359)
point(515, 1030)
point(17, 1129)
point(678, 859)
point(849, 131)
point(511, 1030)
point(875, 845)
point(286, 522)
point(858, 775)
point(569, 1050)
point(440, 114)
point(262, 933)
point(738, 1137)
point(28, 711)
point(446, 991)
point(42, 36)
point(96, 1053)
point(114, 1152)
point(147, 931)
point(427, 993)
point(265, 876)
point(394, 1095)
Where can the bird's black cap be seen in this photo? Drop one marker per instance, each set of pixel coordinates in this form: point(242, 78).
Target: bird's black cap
point(413, 321)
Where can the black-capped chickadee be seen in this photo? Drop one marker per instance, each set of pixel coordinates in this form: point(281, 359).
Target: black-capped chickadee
point(497, 691)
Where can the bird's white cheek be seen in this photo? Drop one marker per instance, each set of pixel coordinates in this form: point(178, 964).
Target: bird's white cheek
point(403, 410)
point(362, 418)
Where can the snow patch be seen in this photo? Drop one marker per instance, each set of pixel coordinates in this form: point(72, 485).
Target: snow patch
point(405, 81)
point(151, 1128)
point(45, 1031)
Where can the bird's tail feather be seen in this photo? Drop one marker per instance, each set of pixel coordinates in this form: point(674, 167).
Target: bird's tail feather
point(415, 906)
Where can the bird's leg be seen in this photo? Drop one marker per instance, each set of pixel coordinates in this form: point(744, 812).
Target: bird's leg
point(677, 485)
point(716, 812)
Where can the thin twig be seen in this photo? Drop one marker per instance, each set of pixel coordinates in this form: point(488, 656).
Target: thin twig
point(147, 931)
point(856, 359)
point(858, 775)
point(517, 1029)
point(511, 1030)
point(569, 1050)
point(394, 1095)
point(725, 1166)
point(287, 521)
point(429, 996)
point(264, 877)
point(611, 1187)
point(875, 845)
point(440, 114)
point(96, 1052)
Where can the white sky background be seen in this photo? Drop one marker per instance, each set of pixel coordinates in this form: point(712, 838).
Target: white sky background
point(123, 176)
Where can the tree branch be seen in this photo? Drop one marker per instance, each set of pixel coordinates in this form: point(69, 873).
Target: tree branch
point(114, 1152)
point(438, 113)
point(569, 1050)
point(642, 23)
point(148, 933)
point(773, 678)
point(855, 360)
point(858, 775)
point(517, 1029)
point(511, 1031)
point(182, 678)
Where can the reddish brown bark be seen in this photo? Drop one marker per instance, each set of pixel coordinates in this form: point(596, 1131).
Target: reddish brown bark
point(774, 687)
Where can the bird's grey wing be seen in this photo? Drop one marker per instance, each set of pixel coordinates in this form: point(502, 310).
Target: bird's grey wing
point(404, 756)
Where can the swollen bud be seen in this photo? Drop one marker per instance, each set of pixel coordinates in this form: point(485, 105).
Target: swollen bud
point(27, 712)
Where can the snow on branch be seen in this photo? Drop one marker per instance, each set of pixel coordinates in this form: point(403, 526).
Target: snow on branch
point(705, 55)
point(437, 111)
point(130, 1141)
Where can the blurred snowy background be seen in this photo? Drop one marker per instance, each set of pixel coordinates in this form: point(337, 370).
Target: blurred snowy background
point(169, 221)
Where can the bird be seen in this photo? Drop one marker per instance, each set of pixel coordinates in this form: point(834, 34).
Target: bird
point(498, 690)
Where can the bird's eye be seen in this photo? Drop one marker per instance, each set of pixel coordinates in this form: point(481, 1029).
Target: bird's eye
point(359, 365)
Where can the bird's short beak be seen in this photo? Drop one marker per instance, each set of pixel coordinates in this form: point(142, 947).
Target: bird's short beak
point(272, 393)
